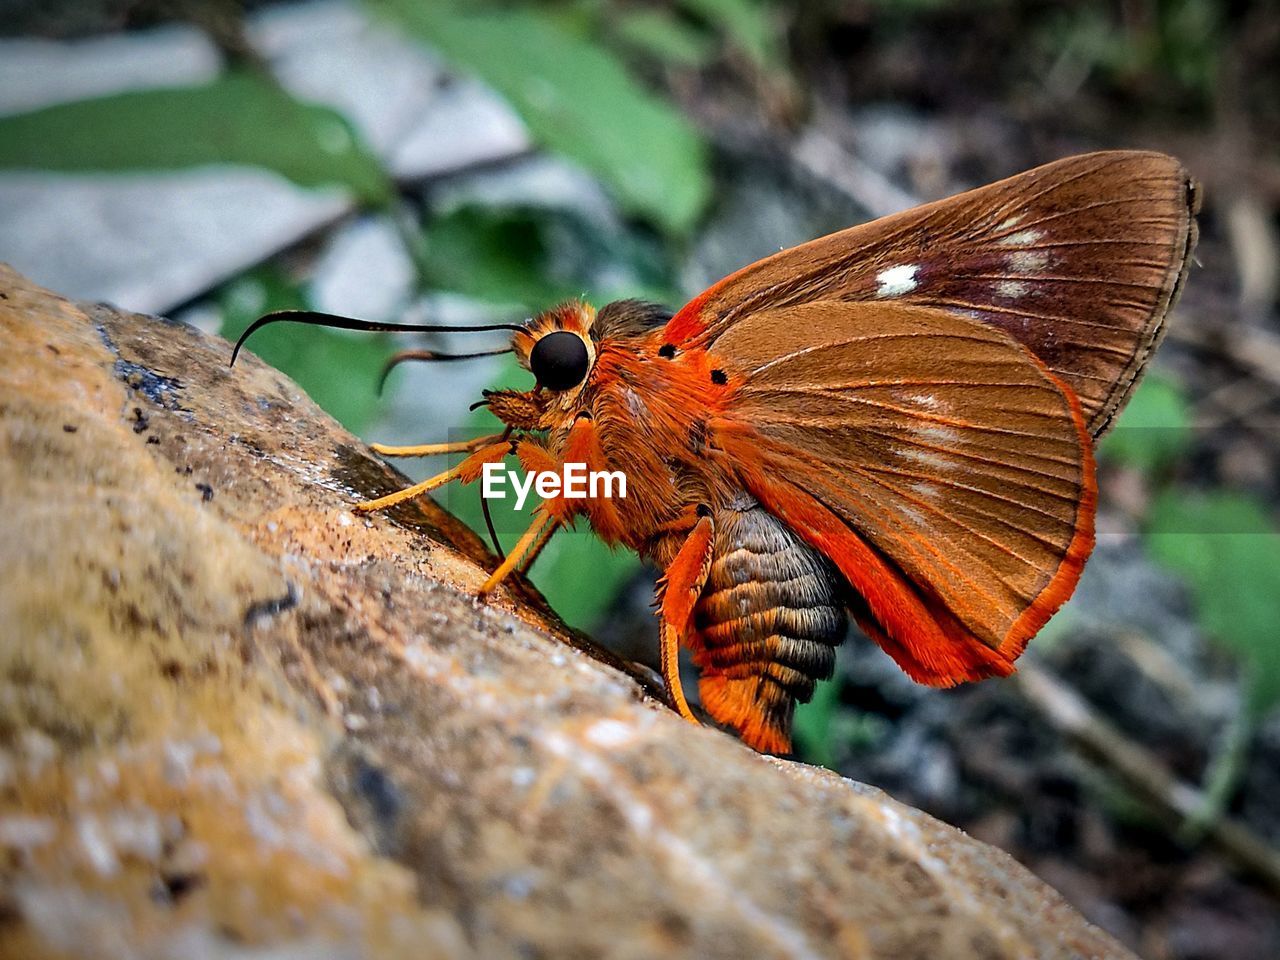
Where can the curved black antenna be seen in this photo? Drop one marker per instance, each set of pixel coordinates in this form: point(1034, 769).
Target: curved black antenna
point(368, 326)
point(493, 534)
point(484, 505)
point(430, 355)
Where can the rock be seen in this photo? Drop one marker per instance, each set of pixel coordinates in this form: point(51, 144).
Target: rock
point(237, 717)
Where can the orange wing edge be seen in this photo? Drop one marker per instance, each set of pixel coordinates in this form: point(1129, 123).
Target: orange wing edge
point(926, 640)
point(1063, 583)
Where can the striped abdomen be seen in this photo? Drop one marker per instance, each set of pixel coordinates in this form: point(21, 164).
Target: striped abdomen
point(767, 625)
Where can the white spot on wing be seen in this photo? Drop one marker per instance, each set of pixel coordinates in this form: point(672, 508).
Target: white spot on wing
point(1023, 238)
point(939, 434)
point(931, 436)
point(897, 281)
point(1028, 261)
point(1010, 223)
point(927, 458)
point(1013, 289)
point(923, 401)
point(911, 513)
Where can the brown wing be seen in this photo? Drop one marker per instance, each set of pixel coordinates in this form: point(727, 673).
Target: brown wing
point(937, 463)
point(1079, 260)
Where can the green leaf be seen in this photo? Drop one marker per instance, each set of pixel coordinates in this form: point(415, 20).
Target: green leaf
point(1154, 429)
point(655, 33)
point(239, 118)
point(1227, 549)
point(537, 257)
point(748, 24)
point(577, 99)
point(339, 372)
point(813, 725)
point(500, 256)
point(581, 576)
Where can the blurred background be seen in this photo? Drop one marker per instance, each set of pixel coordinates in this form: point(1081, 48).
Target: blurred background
point(420, 160)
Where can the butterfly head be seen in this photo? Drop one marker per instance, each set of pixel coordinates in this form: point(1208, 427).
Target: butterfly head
point(557, 348)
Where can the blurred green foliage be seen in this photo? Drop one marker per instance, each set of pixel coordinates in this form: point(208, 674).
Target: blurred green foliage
point(577, 99)
point(1178, 41)
point(239, 118)
point(535, 257)
point(1165, 53)
point(1153, 430)
point(1224, 545)
point(337, 370)
point(824, 723)
point(812, 728)
point(748, 25)
point(655, 33)
point(1228, 550)
point(501, 256)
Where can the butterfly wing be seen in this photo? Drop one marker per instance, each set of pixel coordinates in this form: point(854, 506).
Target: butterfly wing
point(943, 469)
point(1079, 261)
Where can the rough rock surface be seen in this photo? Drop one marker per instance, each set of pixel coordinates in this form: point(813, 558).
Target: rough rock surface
point(235, 716)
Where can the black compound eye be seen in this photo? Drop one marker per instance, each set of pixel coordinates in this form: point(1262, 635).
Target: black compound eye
point(559, 360)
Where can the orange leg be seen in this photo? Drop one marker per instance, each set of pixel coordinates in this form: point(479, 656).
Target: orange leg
point(679, 589)
point(431, 449)
point(528, 547)
point(467, 471)
point(532, 553)
point(548, 518)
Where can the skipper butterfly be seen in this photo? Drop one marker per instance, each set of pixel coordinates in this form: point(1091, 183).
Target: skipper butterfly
point(895, 422)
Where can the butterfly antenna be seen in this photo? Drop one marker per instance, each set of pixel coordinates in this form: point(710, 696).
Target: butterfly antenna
point(350, 323)
point(430, 355)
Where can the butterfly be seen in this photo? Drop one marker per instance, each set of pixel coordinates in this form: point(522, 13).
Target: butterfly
point(894, 422)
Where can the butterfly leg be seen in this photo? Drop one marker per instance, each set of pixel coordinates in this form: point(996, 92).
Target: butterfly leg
point(467, 471)
point(548, 518)
point(432, 449)
point(678, 593)
point(525, 551)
